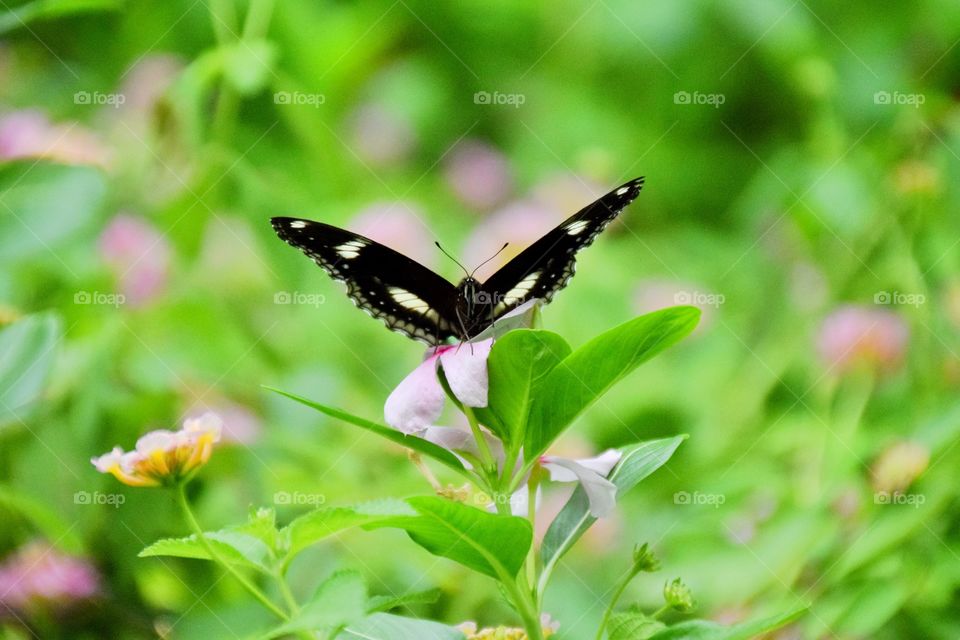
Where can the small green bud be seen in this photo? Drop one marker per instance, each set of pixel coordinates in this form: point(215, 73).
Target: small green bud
point(678, 596)
point(644, 559)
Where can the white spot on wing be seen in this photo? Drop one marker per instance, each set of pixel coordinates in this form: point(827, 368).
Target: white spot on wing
point(622, 190)
point(407, 300)
point(577, 227)
point(350, 249)
point(522, 289)
point(298, 224)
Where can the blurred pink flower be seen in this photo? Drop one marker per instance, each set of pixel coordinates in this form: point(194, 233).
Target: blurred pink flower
point(30, 134)
point(380, 136)
point(40, 576)
point(479, 174)
point(899, 466)
point(853, 335)
point(400, 226)
point(139, 256)
point(145, 82)
point(241, 425)
point(519, 223)
point(567, 193)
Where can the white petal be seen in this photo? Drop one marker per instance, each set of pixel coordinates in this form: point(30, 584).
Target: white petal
point(601, 492)
point(466, 370)
point(603, 463)
point(417, 401)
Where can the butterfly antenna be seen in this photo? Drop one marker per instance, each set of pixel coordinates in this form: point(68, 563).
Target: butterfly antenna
point(457, 262)
point(490, 258)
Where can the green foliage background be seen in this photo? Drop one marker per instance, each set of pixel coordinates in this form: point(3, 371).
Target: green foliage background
point(799, 193)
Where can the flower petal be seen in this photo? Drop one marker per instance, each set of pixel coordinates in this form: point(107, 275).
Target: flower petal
point(523, 317)
point(466, 370)
point(601, 492)
point(417, 401)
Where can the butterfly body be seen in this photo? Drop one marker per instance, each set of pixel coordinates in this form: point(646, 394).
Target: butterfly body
point(415, 301)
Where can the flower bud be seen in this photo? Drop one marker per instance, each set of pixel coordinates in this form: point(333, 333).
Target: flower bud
point(898, 466)
point(678, 596)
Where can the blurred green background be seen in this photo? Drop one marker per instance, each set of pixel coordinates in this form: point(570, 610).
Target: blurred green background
point(802, 187)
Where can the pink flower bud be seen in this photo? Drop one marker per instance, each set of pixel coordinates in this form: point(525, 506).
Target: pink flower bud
point(854, 335)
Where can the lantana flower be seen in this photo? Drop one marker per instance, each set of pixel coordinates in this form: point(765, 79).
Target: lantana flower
point(39, 576)
point(164, 457)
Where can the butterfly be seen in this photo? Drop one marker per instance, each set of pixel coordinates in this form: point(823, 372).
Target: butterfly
point(413, 300)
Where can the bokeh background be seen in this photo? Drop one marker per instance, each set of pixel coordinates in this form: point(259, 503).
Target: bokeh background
point(802, 188)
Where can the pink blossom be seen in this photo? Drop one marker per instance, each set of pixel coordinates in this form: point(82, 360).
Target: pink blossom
point(241, 425)
point(567, 192)
point(138, 254)
point(381, 136)
point(479, 174)
point(145, 83)
point(519, 223)
point(40, 576)
point(400, 226)
point(418, 401)
point(854, 335)
point(30, 134)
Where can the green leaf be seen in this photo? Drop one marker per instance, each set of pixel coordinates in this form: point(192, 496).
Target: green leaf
point(518, 362)
point(321, 523)
point(383, 626)
point(632, 625)
point(27, 351)
point(46, 9)
point(235, 547)
point(252, 544)
point(388, 603)
point(46, 520)
point(339, 601)
point(638, 462)
point(42, 205)
point(248, 65)
point(704, 630)
point(414, 443)
point(495, 545)
point(587, 373)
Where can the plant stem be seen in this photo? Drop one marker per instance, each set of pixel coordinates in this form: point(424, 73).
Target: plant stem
point(489, 461)
point(532, 517)
point(526, 608)
point(219, 559)
point(613, 603)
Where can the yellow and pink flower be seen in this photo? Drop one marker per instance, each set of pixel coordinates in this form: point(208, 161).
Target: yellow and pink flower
point(164, 457)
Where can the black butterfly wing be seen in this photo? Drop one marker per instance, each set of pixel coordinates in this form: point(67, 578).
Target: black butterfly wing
point(405, 295)
point(547, 265)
